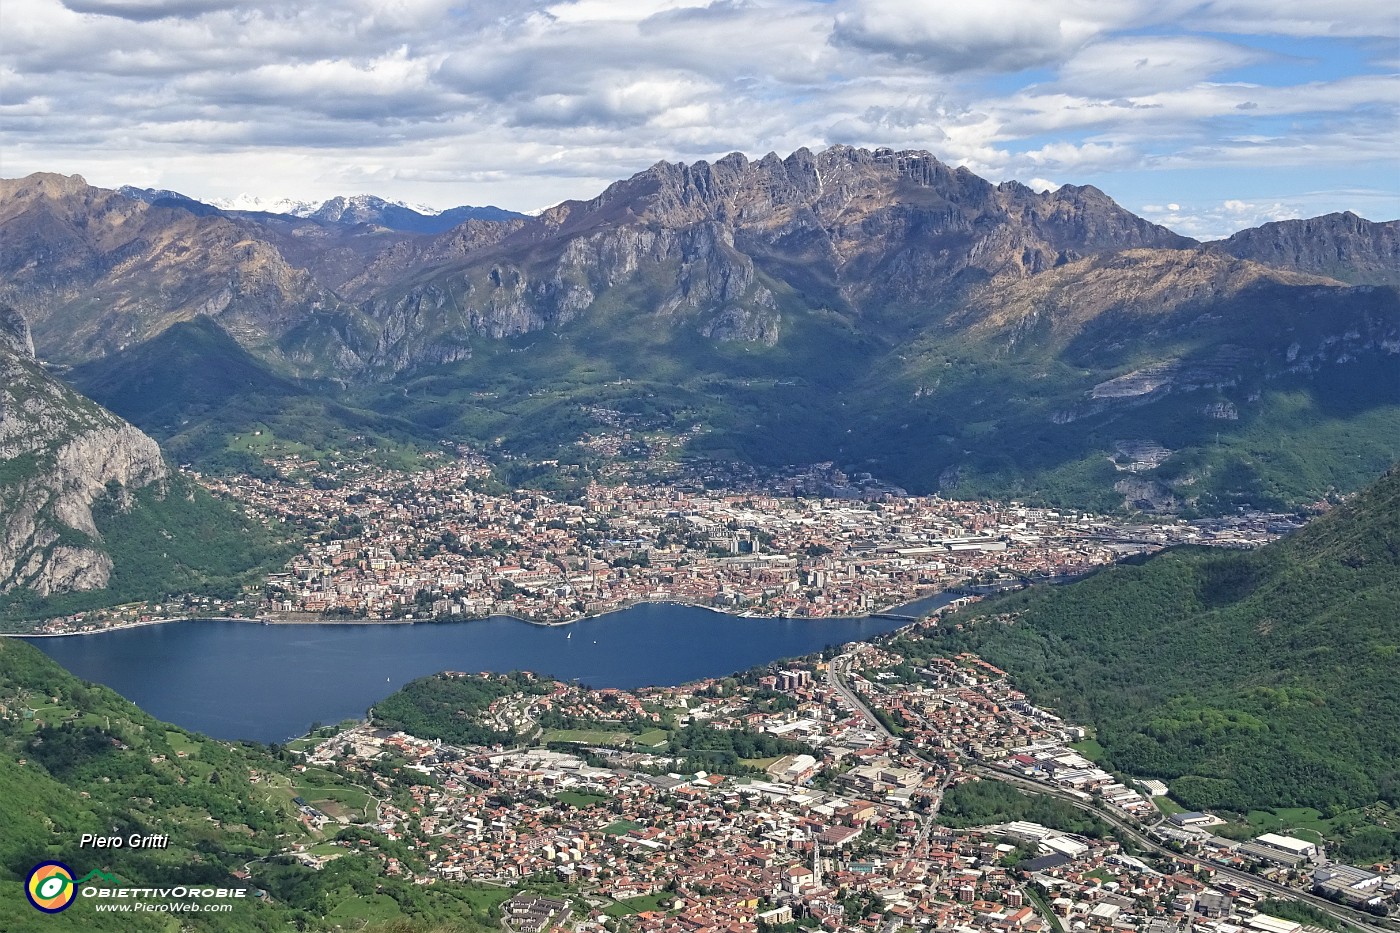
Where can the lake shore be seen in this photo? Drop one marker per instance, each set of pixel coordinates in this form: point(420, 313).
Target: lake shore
point(268, 682)
point(306, 618)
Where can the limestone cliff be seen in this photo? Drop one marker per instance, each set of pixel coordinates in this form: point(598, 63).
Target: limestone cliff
point(1341, 246)
point(59, 453)
point(715, 248)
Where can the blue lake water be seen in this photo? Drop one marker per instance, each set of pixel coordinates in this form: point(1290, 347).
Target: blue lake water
point(236, 680)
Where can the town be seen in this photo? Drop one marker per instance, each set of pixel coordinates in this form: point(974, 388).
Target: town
point(869, 814)
point(386, 545)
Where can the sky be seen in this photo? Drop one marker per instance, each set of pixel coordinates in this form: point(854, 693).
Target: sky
point(1205, 116)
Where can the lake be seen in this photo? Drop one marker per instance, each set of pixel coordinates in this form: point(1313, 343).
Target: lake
point(269, 683)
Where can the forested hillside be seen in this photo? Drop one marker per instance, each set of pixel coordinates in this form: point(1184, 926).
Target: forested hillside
point(90, 512)
point(1247, 680)
point(77, 758)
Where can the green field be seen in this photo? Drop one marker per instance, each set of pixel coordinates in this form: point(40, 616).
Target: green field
point(1090, 749)
point(339, 802)
point(621, 827)
point(485, 898)
point(636, 905)
point(1168, 806)
point(182, 743)
point(574, 799)
point(762, 764)
point(651, 738)
point(357, 910)
point(1302, 822)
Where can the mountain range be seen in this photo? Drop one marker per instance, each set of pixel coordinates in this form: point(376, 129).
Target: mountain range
point(359, 209)
point(875, 308)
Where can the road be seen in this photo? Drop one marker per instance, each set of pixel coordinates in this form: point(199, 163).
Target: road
point(838, 666)
point(1362, 921)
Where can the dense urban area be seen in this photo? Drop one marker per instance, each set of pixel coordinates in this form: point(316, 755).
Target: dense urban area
point(386, 545)
point(878, 786)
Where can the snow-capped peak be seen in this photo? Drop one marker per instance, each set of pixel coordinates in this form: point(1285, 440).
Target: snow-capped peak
point(251, 202)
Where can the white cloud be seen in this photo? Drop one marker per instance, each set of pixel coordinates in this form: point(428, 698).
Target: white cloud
point(523, 102)
point(1217, 221)
point(1144, 64)
point(1353, 18)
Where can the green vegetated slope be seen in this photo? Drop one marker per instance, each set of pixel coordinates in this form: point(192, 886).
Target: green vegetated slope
point(77, 758)
point(453, 708)
point(1248, 680)
point(536, 393)
point(213, 404)
point(981, 803)
point(1019, 402)
point(70, 457)
point(998, 399)
point(168, 539)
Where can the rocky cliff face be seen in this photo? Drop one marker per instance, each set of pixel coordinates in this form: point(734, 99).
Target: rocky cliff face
point(1340, 246)
point(59, 453)
point(713, 246)
point(735, 251)
point(878, 308)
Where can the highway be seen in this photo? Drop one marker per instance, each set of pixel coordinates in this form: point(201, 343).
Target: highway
point(1363, 921)
point(834, 670)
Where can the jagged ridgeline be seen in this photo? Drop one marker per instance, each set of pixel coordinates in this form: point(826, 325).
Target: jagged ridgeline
point(877, 308)
point(1246, 680)
point(90, 513)
point(77, 758)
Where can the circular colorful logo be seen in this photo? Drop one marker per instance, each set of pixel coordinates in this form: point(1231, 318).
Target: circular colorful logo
point(50, 887)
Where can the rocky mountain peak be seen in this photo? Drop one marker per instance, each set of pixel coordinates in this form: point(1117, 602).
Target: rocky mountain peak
point(146, 266)
point(43, 185)
point(62, 453)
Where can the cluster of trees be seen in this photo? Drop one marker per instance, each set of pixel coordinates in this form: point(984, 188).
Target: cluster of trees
point(361, 876)
point(452, 708)
point(703, 748)
point(982, 803)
